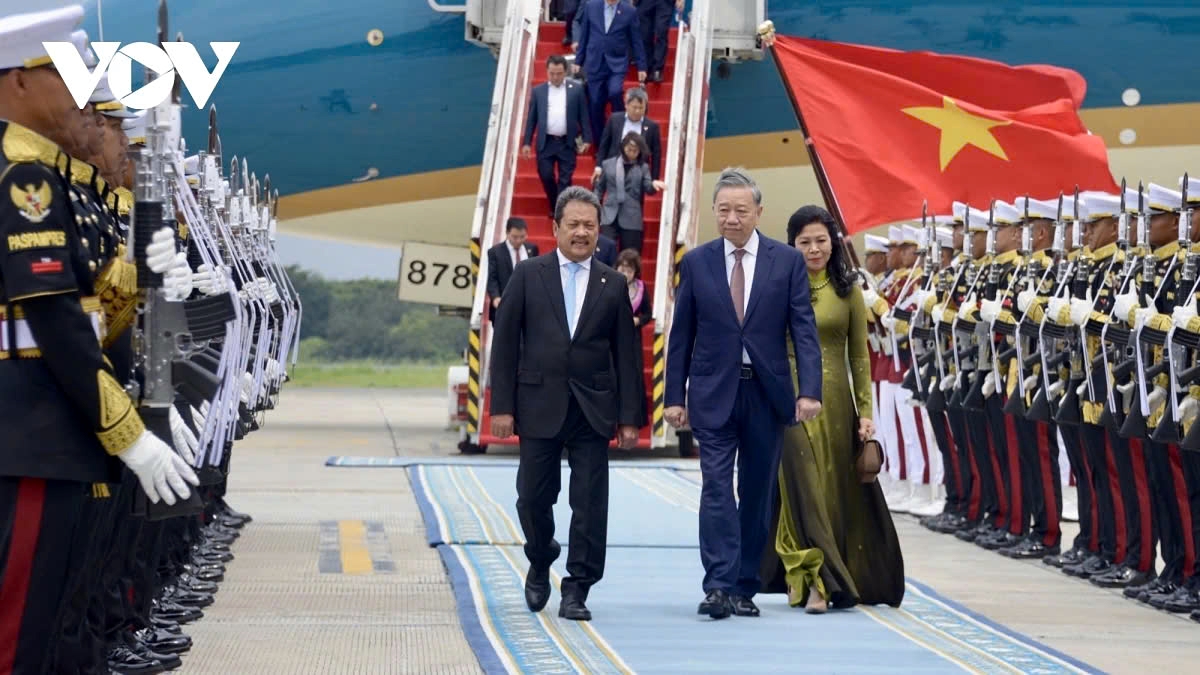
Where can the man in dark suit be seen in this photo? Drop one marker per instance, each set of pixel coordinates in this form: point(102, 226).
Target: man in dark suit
point(503, 257)
point(738, 298)
point(576, 389)
point(608, 30)
point(655, 19)
point(606, 250)
point(633, 120)
point(558, 112)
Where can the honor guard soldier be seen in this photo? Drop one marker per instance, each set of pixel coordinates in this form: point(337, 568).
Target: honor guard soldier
point(875, 267)
point(1156, 298)
point(65, 414)
point(961, 509)
point(1126, 556)
point(876, 300)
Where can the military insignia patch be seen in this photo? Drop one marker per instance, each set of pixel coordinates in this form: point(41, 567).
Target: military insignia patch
point(34, 204)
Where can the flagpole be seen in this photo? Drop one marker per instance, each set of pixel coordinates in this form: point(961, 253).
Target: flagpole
point(766, 33)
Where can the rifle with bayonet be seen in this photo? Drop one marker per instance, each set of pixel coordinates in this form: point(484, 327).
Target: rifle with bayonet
point(1179, 376)
point(1045, 403)
point(919, 337)
point(962, 338)
point(1024, 333)
point(1114, 333)
point(985, 352)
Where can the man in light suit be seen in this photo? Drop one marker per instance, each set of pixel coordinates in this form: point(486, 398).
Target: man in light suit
point(634, 119)
point(559, 114)
point(575, 391)
point(738, 298)
point(503, 258)
point(608, 31)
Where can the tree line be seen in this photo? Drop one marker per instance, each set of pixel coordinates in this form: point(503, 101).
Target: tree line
point(362, 319)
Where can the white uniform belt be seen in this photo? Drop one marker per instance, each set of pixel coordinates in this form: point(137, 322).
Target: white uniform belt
point(25, 345)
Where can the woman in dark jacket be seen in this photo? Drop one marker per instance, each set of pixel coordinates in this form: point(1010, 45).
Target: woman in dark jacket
point(622, 185)
point(629, 263)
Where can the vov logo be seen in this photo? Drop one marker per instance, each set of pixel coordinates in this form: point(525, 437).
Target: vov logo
point(117, 61)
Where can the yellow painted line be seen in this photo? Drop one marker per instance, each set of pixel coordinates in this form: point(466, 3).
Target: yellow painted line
point(352, 537)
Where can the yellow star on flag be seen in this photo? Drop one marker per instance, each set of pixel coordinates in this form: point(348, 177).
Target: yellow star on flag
point(960, 129)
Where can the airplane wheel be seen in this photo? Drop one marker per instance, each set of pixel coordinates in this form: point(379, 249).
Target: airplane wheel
point(687, 446)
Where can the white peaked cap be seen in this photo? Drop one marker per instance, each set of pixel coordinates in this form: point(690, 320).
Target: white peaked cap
point(135, 128)
point(895, 235)
point(1097, 205)
point(1005, 213)
point(1161, 198)
point(912, 235)
point(22, 35)
point(945, 237)
point(876, 243)
point(1038, 208)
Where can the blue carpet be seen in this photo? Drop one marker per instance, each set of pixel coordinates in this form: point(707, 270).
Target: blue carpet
point(644, 608)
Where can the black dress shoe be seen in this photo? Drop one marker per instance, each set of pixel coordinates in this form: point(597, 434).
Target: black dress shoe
point(1072, 556)
point(164, 641)
point(168, 661)
point(1092, 566)
point(1182, 602)
point(716, 605)
point(537, 587)
point(123, 660)
point(1120, 577)
point(175, 612)
point(1035, 549)
point(743, 606)
point(656, 76)
point(191, 583)
point(574, 609)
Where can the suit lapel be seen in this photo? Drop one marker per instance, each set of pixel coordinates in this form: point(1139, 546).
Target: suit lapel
point(596, 283)
point(716, 261)
point(762, 272)
point(553, 283)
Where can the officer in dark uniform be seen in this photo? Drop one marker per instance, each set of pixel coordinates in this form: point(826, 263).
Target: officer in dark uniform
point(64, 413)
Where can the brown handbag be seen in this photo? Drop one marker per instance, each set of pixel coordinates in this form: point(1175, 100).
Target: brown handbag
point(868, 458)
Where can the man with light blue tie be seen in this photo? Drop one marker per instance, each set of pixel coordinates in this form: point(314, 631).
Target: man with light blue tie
point(608, 31)
point(564, 376)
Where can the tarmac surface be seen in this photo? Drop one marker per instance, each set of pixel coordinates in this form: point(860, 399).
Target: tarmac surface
point(334, 574)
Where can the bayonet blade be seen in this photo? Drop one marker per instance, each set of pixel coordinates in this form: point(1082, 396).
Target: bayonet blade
point(162, 21)
point(212, 131)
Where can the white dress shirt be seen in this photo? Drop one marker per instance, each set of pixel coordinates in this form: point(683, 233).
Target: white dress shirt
point(556, 109)
point(631, 128)
point(517, 254)
point(581, 283)
point(748, 261)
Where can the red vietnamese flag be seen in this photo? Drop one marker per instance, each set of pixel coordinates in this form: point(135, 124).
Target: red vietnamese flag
point(894, 128)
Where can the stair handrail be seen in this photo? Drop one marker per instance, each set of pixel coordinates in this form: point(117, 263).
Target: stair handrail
point(690, 208)
point(673, 163)
point(509, 95)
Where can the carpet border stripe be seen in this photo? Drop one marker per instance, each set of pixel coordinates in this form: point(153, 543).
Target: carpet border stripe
point(468, 615)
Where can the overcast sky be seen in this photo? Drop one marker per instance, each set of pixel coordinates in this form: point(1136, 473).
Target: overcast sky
point(338, 261)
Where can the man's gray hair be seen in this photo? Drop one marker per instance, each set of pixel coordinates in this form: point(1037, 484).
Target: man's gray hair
point(637, 94)
point(736, 177)
point(575, 193)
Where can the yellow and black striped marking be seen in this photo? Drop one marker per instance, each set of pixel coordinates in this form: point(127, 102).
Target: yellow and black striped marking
point(659, 383)
point(473, 381)
point(679, 253)
point(474, 261)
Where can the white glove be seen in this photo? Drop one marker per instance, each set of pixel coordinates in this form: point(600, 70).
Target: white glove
point(1126, 391)
point(1188, 409)
point(1029, 383)
point(920, 297)
point(947, 383)
point(161, 472)
point(1055, 307)
point(177, 282)
point(1055, 390)
point(185, 441)
point(989, 310)
point(273, 369)
point(1025, 299)
point(1081, 309)
point(247, 387)
point(270, 292)
point(888, 321)
point(939, 310)
point(1183, 314)
point(160, 252)
point(1082, 388)
point(1141, 315)
point(968, 306)
point(1123, 304)
point(205, 280)
point(198, 418)
point(870, 297)
point(989, 384)
point(1156, 397)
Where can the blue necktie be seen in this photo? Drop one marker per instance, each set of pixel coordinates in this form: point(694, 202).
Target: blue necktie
point(569, 295)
